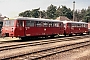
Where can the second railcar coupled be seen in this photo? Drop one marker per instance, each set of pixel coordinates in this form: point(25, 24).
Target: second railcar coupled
point(75, 27)
point(27, 27)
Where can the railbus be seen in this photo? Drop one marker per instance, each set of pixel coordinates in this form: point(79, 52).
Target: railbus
point(23, 27)
point(72, 27)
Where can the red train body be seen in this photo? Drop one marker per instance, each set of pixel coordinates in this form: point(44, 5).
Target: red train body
point(75, 27)
point(23, 27)
point(30, 27)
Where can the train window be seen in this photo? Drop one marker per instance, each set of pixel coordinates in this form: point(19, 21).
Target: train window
point(8, 23)
point(12, 23)
point(83, 25)
point(56, 24)
point(78, 25)
point(86, 26)
point(30, 23)
point(69, 25)
point(38, 23)
point(20, 23)
point(50, 24)
point(53, 24)
point(75, 25)
point(45, 24)
point(72, 25)
point(60, 24)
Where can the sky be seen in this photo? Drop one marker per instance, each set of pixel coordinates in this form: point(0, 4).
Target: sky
point(11, 8)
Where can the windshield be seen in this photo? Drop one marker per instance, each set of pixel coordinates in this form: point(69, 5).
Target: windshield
point(8, 23)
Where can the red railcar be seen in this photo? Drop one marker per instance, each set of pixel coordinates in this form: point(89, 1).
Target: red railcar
point(26, 27)
point(72, 27)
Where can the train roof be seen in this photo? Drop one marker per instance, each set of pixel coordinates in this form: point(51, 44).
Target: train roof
point(35, 19)
point(74, 22)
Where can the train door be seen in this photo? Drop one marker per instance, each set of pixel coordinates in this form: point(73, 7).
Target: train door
point(30, 28)
point(20, 28)
point(69, 28)
point(62, 28)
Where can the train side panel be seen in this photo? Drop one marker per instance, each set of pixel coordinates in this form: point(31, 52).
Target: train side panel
point(43, 30)
point(34, 31)
point(89, 26)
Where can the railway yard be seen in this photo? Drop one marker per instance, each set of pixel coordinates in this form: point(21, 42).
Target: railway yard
point(58, 48)
point(56, 33)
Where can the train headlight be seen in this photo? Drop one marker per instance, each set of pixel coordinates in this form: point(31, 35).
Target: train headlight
point(12, 29)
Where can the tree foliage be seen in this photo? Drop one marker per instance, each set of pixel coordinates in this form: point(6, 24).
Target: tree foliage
point(52, 12)
point(26, 13)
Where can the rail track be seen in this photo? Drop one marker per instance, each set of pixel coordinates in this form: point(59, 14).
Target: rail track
point(13, 45)
point(53, 50)
point(40, 53)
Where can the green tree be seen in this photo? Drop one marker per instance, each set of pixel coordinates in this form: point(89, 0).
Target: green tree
point(88, 15)
point(59, 12)
point(35, 13)
point(43, 14)
point(82, 14)
point(67, 12)
point(85, 15)
point(51, 12)
point(26, 13)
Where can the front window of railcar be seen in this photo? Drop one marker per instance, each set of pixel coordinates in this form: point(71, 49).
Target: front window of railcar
point(8, 23)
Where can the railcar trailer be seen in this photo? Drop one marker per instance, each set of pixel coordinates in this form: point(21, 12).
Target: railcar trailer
point(72, 27)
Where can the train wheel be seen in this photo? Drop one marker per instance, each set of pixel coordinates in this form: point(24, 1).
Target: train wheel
point(87, 33)
point(81, 33)
point(52, 36)
point(64, 34)
point(22, 38)
point(70, 34)
point(46, 36)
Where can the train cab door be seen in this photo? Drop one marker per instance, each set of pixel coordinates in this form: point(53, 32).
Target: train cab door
point(20, 28)
point(69, 28)
point(30, 28)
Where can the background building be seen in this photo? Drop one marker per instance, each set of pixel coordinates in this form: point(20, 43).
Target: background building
point(63, 18)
